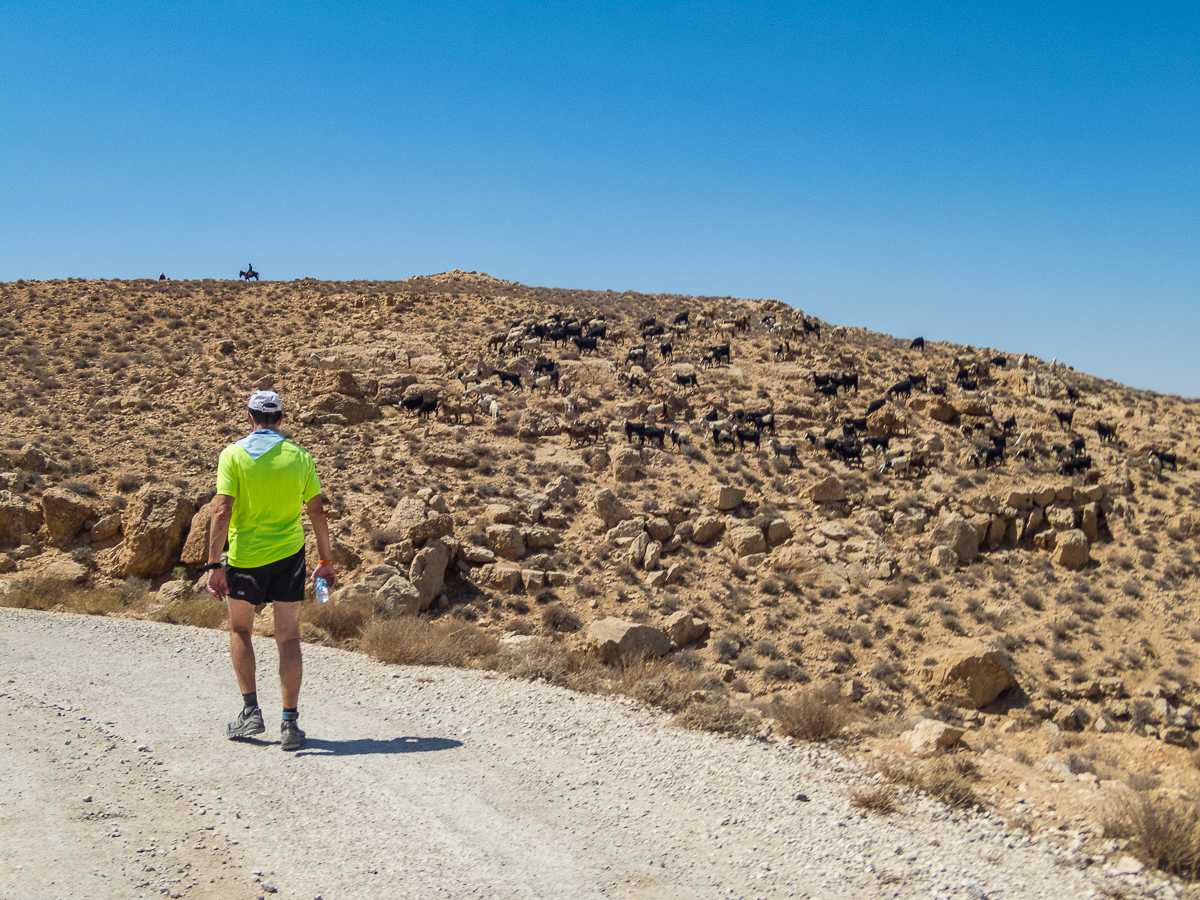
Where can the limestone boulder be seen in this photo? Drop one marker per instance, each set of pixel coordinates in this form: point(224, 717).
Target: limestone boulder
point(17, 518)
point(33, 459)
point(155, 522)
point(609, 509)
point(745, 540)
point(930, 736)
point(954, 531)
point(943, 558)
point(940, 410)
point(451, 456)
point(684, 628)
point(778, 531)
point(66, 570)
point(345, 558)
point(706, 528)
point(615, 639)
point(352, 410)
point(659, 529)
point(341, 381)
point(1071, 550)
point(723, 497)
point(968, 675)
point(419, 523)
point(110, 526)
point(64, 513)
point(536, 423)
point(561, 488)
point(829, 490)
point(506, 541)
point(195, 549)
point(397, 597)
point(428, 571)
point(626, 464)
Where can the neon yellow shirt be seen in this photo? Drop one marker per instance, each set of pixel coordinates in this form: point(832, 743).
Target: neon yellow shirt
point(269, 493)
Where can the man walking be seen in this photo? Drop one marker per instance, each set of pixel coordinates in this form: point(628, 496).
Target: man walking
point(263, 480)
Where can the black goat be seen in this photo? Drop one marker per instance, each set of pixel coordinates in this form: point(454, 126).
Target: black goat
point(901, 387)
point(848, 451)
point(632, 428)
point(1106, 433)
point(654, 434)
point(918, 344)
point(829, 390)
point(413, 403)
point(1009, 424)
point(874, 405)
point(427, 408)
point(748, 436)
point(1166, 459)
point(1076, 464)
point(762, 421)
point(513, 378)
point(665, 350)
point(686, 381)
point(1064, 418)
point(1077, 445)
point(879, 443)
point(848, 380)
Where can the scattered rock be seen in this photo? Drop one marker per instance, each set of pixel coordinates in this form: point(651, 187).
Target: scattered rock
point(706, 528)
point(155, 523)
point(969, 675)
point(614, 639)
point(724, 498)
point(609, 509)
point(506, 541)
point(746, 539)
point(428, 571)
point(930, 736)
point(829, 490)
point(684, 628)
point(1071, 550)
point(627, 464)
point(63, 513)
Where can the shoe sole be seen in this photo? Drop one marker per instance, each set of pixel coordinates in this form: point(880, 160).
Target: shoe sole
point(290, 747)
point(232, 733)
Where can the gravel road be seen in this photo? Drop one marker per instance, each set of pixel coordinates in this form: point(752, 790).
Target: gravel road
point(118, 783)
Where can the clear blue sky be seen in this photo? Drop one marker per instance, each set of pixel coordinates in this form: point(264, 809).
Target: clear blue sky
point(1017, 175)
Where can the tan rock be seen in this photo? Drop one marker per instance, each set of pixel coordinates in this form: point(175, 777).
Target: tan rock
point(397, 597)
point(499, 514)
point(1071, 551)
point(626, 464)
point(1060, 516)
point(452, 456)
point(341, 381)
point(659, 529)
point(968, 675)
point(110, 526)
point(829, 490)
point(637, 549)
point(952, 530)
point(975, 406)
point(943, 558)
point(66, 570)
point(778, 531)
point(416, 522)
point(930, 736)
point(614, 639)
point(653, 555)
point(684, 628)
point(195, 548)
point(940, 410)
point(745, 540)
point(609, 509)
point(506, 541)
point(723, 498)
point(538, 538)
point(706, 528)
point(1019, 499)
point(64, 513)
point(345, 558)
point(155, 523)
point(536, 423)
point(1089, 522)
point(428, 571)
point(352, 410)
point(17, 518)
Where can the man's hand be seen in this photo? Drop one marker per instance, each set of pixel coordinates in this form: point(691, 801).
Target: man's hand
point(217, 585)
point(325, 570)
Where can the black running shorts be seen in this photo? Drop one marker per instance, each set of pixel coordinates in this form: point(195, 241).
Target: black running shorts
point(277, 582)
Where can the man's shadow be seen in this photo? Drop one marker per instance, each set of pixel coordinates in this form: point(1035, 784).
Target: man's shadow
point(360, 746)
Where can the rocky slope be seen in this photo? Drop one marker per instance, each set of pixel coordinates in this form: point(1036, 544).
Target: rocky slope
point(1049, 615)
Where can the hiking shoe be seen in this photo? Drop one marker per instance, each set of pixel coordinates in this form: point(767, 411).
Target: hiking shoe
point(290, 735)
point(247, 724)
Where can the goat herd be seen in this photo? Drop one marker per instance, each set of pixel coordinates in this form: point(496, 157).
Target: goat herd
point(484, 386)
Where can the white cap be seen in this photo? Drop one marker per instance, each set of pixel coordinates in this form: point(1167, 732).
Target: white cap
point(266, 402)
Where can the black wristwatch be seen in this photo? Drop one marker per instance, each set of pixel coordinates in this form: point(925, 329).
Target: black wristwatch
point(208, 567)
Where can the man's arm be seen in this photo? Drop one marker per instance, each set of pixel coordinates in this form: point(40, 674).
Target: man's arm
point(316, 515)
point(218, 532)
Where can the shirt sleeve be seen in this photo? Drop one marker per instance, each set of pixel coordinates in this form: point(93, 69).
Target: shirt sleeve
point(312, 486)
point(226, 475)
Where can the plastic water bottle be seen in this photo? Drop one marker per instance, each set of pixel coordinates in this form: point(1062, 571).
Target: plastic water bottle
point(321, 589)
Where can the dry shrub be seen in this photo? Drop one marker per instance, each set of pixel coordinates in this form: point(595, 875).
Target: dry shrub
point(50, 593)
point(718, 716)
point(1164, 833)
point(816, 714)
point(342, 621)
point(558, 617)
point(537, 659)
point(879, 798)
point(947, 783)
point(411, 641)
point(199, 610)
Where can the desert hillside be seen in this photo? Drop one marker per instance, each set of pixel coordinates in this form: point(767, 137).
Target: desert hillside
point(1015, 562)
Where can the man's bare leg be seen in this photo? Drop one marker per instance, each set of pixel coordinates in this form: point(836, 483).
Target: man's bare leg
point(287, 639)
point(241, 648)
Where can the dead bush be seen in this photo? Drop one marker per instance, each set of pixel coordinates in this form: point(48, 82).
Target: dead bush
point(816, 714)
point(558, 617)
point(1162, 832)
point(342, 621)
point(944, 781)
point(879, 799)
point(719, 717)
point(415, 642)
